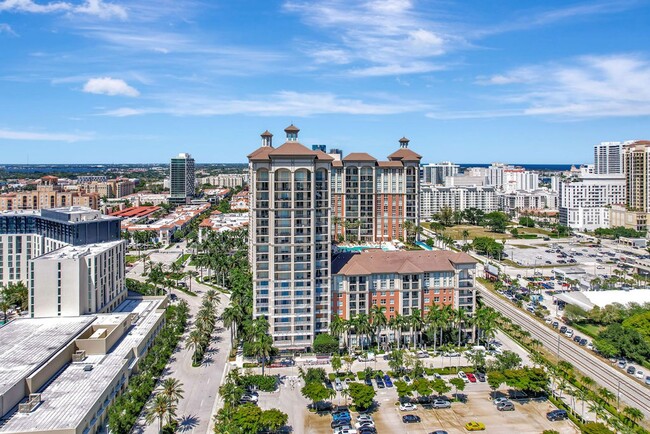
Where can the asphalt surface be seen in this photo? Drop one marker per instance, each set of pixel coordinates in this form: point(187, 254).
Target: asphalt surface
point(629, 390)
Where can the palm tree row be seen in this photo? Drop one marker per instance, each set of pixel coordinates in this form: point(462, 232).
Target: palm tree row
point(437, 325)
point(200, 337)
point(219, 253)
point(165, 403)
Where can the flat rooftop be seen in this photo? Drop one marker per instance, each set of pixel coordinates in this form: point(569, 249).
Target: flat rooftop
point(72, 394)
point(27, 343)
point(71, 252)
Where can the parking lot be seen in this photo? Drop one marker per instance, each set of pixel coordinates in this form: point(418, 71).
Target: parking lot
point(528, 417)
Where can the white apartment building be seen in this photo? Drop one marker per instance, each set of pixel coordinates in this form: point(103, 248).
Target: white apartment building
point(78, 280)
point(25, 235)
point(435, 173)
point(290, 239)
point(464, 180)
point(584, 203)
point(608, 158)
point(510, 178)
point(434, 198)
point(518, 200)
point(229, 180)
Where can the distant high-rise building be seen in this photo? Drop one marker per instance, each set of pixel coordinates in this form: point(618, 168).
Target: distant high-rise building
point(585, 203)
point(290, 240)
point(322, 148)
point(435, 173)
point(181, 179)
point(336, 153)
point(636, 166)
point(608, 158)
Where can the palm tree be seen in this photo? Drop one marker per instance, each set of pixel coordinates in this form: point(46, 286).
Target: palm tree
point(378, 321)
point(415, 322)
point(191, 274)
point(337, 327)
point(262, 347)
point(606, 394)
point(396, 323)
point(597, 409)
point(172, 389)
point(461, 316)
point(157, 409)
point(465, 235)
point(434, 320)
point(194, 343)
point(212, 297)
point(634, 414)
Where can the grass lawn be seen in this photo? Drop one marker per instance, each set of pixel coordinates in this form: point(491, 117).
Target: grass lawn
point(131, 259)
point(590, 329)
point(538, 231)
point(456, 232)
point(522, 246)
point(181, 260)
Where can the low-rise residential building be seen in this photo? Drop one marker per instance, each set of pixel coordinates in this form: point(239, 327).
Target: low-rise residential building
point(164, 228)
point(402, 281)
point(240, 201)
point(514, 201)
point(434, 198)
point(113, 188)
point(139, 199)
point(48, 194)
point(620, 215)
point(62, 375)
point(220, 222)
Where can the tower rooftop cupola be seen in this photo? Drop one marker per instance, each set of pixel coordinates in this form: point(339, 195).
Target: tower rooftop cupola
point(292, 133)
point(267, 138)
point(404, 142)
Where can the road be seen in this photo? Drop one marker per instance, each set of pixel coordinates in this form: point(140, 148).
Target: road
point(630, 392)
point(200, 384)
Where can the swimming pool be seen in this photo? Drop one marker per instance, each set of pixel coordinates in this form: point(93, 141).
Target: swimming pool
point(352, 248)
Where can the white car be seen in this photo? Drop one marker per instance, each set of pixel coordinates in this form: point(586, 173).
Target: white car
point(640, 374)
point(498, 401)
point(366, 423)
point(407, 406)
point(569, 332)
point(345, 431)
point(463, 376)
point(364, 418)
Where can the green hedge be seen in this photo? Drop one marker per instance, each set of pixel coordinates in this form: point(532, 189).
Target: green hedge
point(265, 383)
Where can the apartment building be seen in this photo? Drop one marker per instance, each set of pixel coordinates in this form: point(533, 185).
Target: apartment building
point(228, 180)
point(25, 235)
point(435, 173)
point(372, 200)
point(78, 280)
point(181, 179)
point(584, 202)
point(48, 194)
point(290, 238)
point(518, 200)
point(114, 188)
point(402, 281)
point(434, 198)
point(608, 158)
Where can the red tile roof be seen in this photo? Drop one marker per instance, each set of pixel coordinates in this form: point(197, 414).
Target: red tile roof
point(376, 261)
point(359, 156)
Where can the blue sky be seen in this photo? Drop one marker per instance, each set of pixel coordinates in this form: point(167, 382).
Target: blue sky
point(469, 81)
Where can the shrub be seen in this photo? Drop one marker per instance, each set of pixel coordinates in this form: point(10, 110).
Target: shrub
point(326, 343)
point(263, 382)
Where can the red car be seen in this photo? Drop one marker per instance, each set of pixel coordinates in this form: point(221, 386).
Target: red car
point(471, 377)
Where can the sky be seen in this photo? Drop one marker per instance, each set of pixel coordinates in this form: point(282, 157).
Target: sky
point(474, 81)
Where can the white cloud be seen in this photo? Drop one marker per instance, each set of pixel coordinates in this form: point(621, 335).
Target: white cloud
point(6, 28)
point(102, 10)
point(382, 37)
point(53, 137)
point(586, 87)
point(284, 103)
point(33, 7)
point(109, 86)
point(97, 8)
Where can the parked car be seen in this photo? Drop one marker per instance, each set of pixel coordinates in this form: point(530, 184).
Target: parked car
point(556, 324)
point(368, 381)
point(583, 342)
point(563, 329)
point(387, 381)
point(367, 430)
point(474, 426)
point(557, 415)
point(577, 338)
point(407, 379)
point(348, 430)
point(439, 431)
point(366, 424)
point(343, 423)
point(639, 374)
point(364, 418)
point(631, 370)
point(463, 376)
point(480, 377)
point(408, 406)
point(471, 377)
point(622, 363)
point(647, 380)
point(380, 382)
point(410, 418)
point(506, 406)
point(498, 401)
point(441, 403)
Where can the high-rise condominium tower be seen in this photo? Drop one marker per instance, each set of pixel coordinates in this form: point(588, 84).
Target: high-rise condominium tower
point(181, 179)
point(636, 166)
point(608, 158)
point(372, 200)
point(290, 241)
